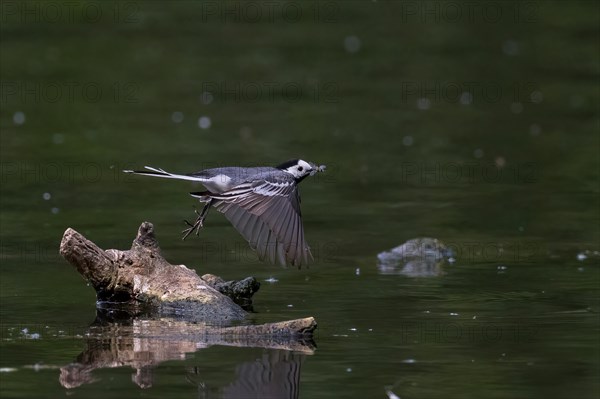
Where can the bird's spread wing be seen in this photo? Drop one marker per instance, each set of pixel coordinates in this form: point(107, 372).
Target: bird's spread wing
point(267, 214)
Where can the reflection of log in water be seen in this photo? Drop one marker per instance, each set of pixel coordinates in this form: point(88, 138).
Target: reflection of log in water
point(276, 374)
point(143, 344)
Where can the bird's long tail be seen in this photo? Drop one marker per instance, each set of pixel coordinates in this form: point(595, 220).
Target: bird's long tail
point(157, 172)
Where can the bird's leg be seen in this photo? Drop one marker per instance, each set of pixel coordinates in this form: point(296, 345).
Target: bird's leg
point(199, 223)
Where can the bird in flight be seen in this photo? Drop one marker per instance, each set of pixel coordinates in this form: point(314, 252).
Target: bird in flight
point(262, 203)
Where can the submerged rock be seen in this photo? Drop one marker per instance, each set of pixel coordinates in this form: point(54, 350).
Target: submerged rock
point(419, 257)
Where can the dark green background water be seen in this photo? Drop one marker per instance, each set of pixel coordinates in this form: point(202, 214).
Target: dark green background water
point(474, 124)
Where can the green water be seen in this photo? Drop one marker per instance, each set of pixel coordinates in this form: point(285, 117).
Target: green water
point(478, 128)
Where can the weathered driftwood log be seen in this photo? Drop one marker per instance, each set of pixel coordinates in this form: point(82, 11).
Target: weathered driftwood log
point(142, 277)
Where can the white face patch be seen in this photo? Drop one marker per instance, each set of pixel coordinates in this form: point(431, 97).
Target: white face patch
point(302, 168)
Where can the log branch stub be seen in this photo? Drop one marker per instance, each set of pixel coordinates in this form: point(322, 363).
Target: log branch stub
point(146, 239)
point(240, 291)
point(94, 264)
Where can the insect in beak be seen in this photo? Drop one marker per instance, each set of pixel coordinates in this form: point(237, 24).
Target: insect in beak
point(317, 168)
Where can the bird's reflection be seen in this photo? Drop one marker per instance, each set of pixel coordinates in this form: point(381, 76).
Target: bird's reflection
point(273, 375)
point(143, 344)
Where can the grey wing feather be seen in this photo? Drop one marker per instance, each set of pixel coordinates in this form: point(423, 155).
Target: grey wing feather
point(267, 215)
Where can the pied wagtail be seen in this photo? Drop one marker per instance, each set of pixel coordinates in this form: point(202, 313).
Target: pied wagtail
point(262, 203)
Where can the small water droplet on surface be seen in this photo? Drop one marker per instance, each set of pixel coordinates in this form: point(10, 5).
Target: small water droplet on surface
point(516, 108)
point(206, 97)
point(18, 118)
point(352, 44)
point(536, 96)
point(535, 129)
point(423, 104)
point(466, 98)
point(204, 122)
point(46, 196)
point(7, 369)
point(177, 117)
point(58, 138)
point(510, 47)
point(245, 133)
point(90, 134)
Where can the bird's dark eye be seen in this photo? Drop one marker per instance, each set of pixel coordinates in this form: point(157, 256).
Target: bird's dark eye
point(299, 168)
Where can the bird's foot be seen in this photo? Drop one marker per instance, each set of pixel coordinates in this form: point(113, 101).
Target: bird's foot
point(197, 225)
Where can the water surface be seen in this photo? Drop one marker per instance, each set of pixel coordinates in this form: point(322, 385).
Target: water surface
point(481, 132)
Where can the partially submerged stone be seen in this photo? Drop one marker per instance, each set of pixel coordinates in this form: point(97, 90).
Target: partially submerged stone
point(419, 257)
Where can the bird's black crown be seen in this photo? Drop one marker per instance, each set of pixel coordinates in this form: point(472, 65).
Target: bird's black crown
point(287, 164)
